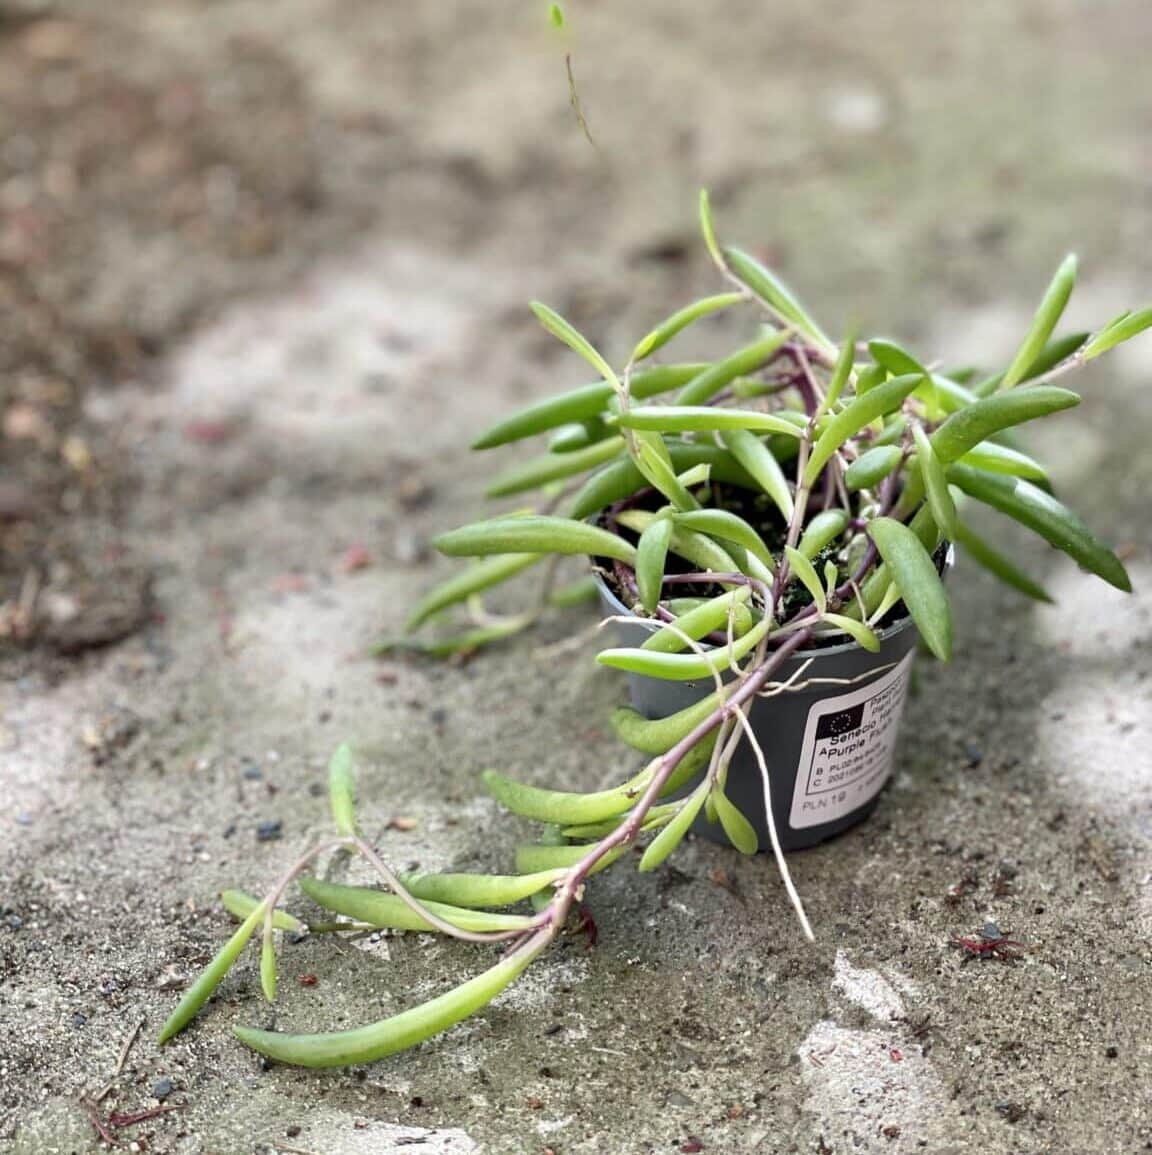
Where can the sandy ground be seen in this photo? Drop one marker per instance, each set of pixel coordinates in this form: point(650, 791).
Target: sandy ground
point(263, 274)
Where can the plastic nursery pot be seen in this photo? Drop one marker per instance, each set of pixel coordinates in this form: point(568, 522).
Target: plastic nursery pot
point(828, 740)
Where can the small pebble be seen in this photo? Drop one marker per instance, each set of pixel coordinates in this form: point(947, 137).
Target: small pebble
point(991, 930)
point(162, 1088)
point(78, 1020)
point(15, 922)
point(973, 754)
point(24, 819)
point(269, 831)
point(252, 772)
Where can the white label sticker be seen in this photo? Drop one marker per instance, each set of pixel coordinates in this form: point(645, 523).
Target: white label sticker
point(848, 746)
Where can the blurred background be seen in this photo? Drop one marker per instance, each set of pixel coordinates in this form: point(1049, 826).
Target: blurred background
point(263, 273)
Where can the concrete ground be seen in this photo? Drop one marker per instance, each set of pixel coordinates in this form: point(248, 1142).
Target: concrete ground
point(314, 229)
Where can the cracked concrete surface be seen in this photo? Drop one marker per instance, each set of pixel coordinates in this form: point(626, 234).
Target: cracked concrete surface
point(931, 164)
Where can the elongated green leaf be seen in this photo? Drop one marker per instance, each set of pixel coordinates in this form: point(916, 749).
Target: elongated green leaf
point(365, 904)
point(684, 667)
point(804, 570)
point(673, 834)
point(268, 967)
point(709, 381)
point(554, 467)
point(652, 459)
point(895, 358)
point(737, 828)
point(914, 572)
point(470, 581)
point(560, 807)
point(680, 320)
point(860, 633)
point(533, 535)
point(585, 403)
point(840, 374)
point(651, 556)
point(869, 377)
point(210, 977)
point(761, 463)
point(570, 438)
point(698, 623)
point(465, 643)
point(655, 818)
point(965, 429)
point(1043, 324)
point(1058, 349)
point(939, 499)
point(774, 293)
point(342, 790)
point(728, 527)
point(862, 411)
point(476, 891)
point(707, 229)
point(996, 563)
point(1044, 515)
point(871, 467)
point(534, 857)
point(615, 482)
point(998, 458)
point(398, 1033)
point(1121, 330)
point(576, 341)
point(697, 548)
point(237, 903)
point(701, 419)
point(822, 531)
point(658, 735)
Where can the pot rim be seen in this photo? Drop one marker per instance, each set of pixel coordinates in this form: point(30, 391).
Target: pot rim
point(815, 652)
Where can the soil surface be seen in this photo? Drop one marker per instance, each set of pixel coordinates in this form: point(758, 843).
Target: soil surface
point(262, 277)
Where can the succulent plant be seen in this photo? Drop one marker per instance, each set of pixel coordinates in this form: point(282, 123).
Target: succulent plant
point(794, 494)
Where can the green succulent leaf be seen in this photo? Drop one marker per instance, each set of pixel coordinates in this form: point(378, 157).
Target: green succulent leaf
point(697, 548)
point(653, 460)
point(997, 458)
point(477, 891)
point(554, 466)
point(211, 977)
point(1043, 324)
point(967, 428)
point(697, 623)
point(738, 829)
point(727, 527)
point(996, 563)
point(241, 905)
point(534, 857)
point(673, 834)
point(863, 410)
point(863, 635)
point(915, 575)
point(268, 967)
point(380, 909)
point(935, 482)
point(342, 790)
point(1044, 515)
point(561, 807)
point(872, 466)
point(761, 463)
point(845, 361)
point(622, 479)
point(472, 580)
point(1122, 329)
point(895, 358)
point(398, 1033)
point(711, 379)
point(774, 293)
point(533, 534)
point(702, 419)
point(822, 531)
point(806, 573)
point(680, 320)
point(659, 735)
point(576, 341)
point(708, 230)
point(684, 667)
point(651, 557)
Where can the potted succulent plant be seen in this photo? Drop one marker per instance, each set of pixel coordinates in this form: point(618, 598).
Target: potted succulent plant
point(769, 533)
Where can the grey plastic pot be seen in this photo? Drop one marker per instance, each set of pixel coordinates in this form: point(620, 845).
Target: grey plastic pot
point(828, 744)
